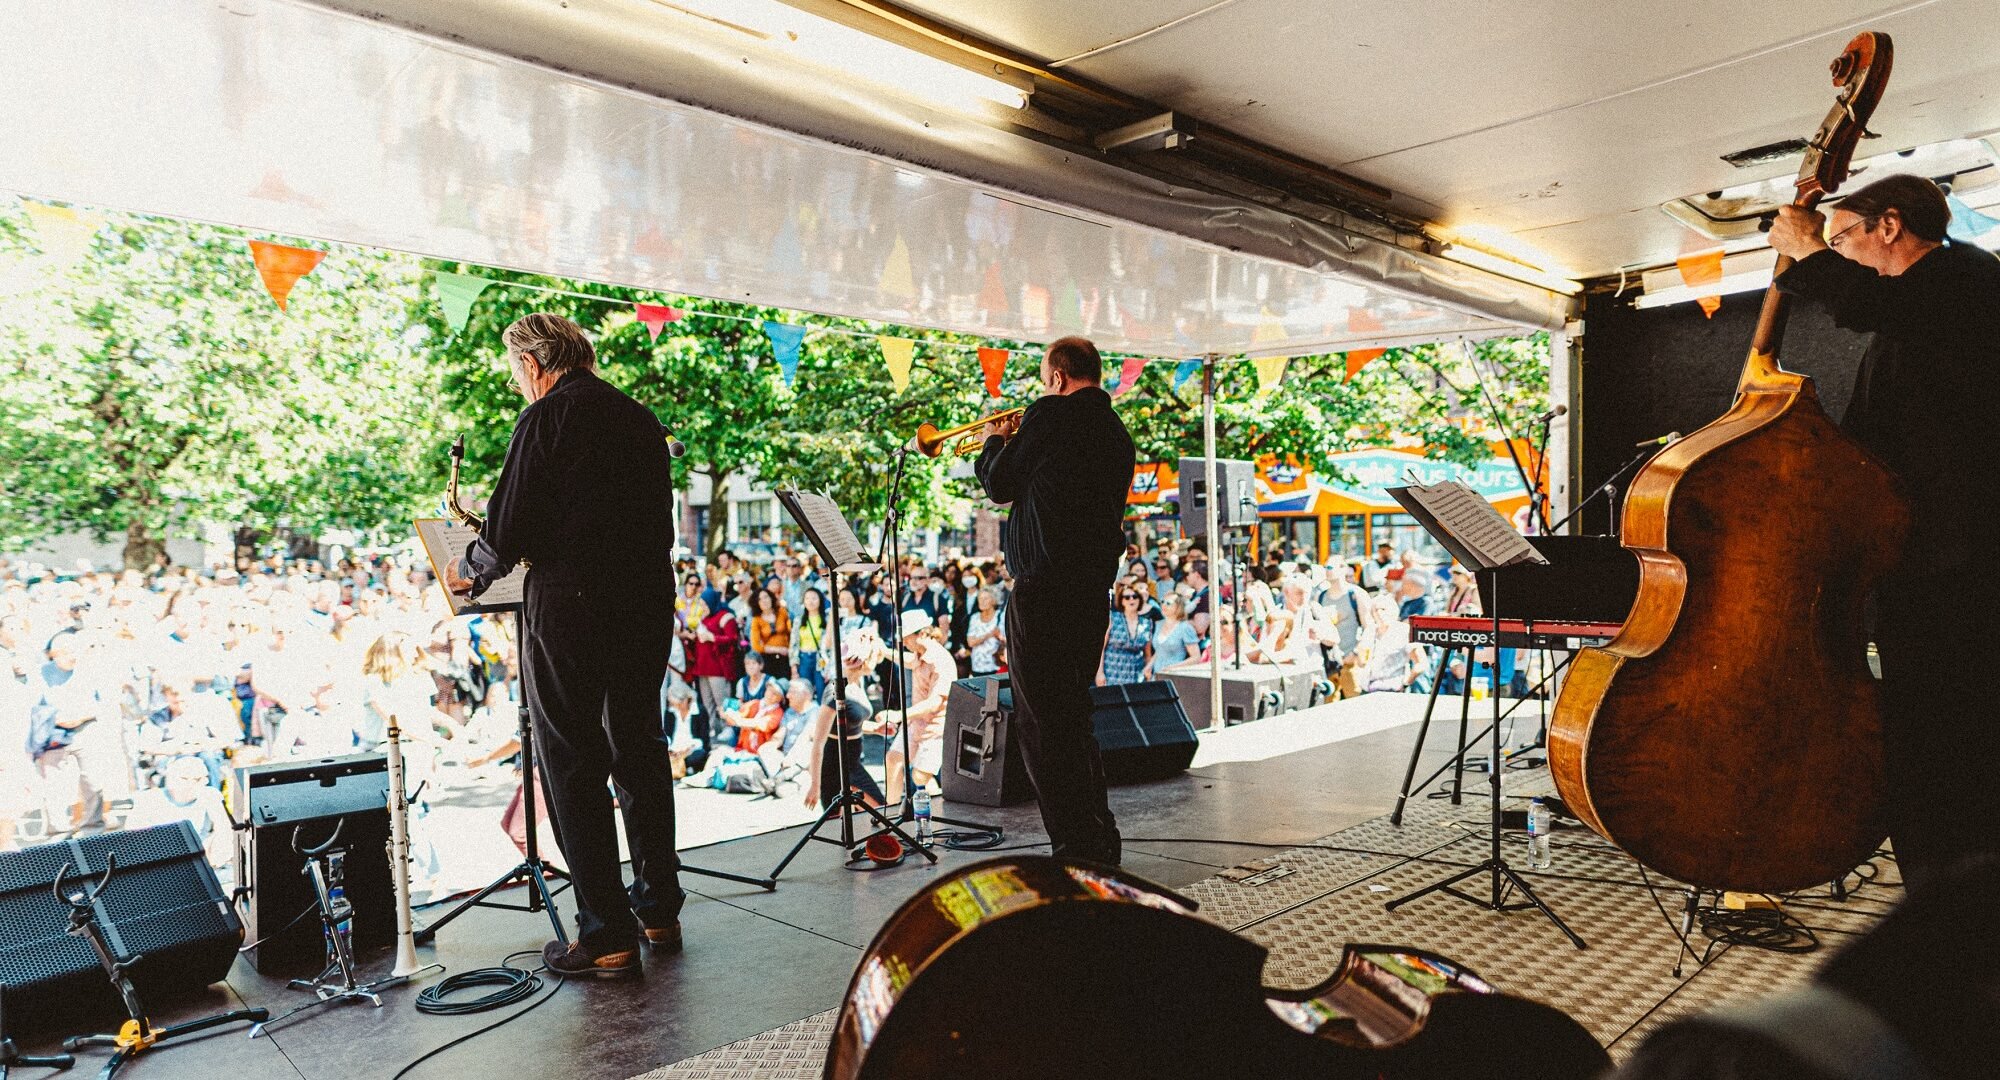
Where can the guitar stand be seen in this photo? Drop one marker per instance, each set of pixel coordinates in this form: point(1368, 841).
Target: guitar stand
point(326, 867)
point(138, 1033)
point(1501, 877)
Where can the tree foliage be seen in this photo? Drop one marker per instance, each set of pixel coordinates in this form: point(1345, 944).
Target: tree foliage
point(154, 385)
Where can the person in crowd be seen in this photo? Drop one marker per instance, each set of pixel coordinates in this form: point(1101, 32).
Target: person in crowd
point(1375, 571)
point(963, 586)
point(755, 678)
point(852, 618)
point(1394, 662)
point(984, 632)
point(810, 638)
point(860, 654)
point(1196, 580)
point(684, 732)
point(718, 663)
point(1353, 614)
point(1412, 591)
point(1174, 640)
point(1302, 634)
point(932, 672)
point(1127, 650)
point(1463, 596)
point(756, 719)
point(771, 633)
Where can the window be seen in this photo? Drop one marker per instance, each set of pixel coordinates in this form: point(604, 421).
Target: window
point(1346, 538)
point(1291, 538)
point(1403, 531)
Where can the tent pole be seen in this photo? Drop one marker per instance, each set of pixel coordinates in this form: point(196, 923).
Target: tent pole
point(1215, 718)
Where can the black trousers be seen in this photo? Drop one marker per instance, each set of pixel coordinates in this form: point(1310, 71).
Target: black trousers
point(1941, 737)
point(1054, 637)
point(592, 667)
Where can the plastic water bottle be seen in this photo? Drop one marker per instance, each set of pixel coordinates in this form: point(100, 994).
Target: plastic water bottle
point(343, 914)
point(923, 803)
point(1538, 835)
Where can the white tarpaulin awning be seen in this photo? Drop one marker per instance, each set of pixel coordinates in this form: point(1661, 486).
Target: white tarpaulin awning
point(295, 120)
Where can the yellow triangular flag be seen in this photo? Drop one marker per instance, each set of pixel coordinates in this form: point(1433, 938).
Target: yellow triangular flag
point(63, 233)
point(897, 280)
point(897, 352)
point(1270, 371)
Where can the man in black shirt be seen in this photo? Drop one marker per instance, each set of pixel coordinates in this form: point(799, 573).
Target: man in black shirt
point(1921, 404)
point(585, 499)
point(1066, 468)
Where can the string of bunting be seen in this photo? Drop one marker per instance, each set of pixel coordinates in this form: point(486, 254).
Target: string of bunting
point(65, 235)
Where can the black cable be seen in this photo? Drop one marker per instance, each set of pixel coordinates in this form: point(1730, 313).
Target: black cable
point(1772, 928)
point(519, 985)
point(969, 839)
point(296, 919)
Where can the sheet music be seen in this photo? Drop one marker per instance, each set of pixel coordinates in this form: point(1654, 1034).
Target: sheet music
point(826, 527)
point(1472, 520)
point(445, 539)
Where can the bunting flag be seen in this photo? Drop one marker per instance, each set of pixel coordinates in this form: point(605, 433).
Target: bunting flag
point(455, 293)
point(657, 316)
point(897, 280)
point(281, 267)
point(785, 339)
point(63, 233)
point(1968, 222)
point(1184, 371)
point(1700, 271)
point(897, 352)
point(1358, 359)
point(1270, 372)
point(993, 365)
point(1128, 374)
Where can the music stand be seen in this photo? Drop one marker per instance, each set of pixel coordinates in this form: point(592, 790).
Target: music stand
point(1479, 537)
point(830, 535)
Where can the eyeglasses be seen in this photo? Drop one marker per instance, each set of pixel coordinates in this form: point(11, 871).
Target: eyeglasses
point(1834, 240)
point(1129, 596)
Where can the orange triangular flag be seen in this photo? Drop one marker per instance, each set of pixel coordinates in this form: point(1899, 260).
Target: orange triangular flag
point(1700, 270)
point(655, 317)
point(281, 267)
point(993, 364)
point(1359, 358)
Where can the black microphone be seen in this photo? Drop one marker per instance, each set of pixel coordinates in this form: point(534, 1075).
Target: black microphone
point(675, 447)
point(1668, 439)
point(1552, 414)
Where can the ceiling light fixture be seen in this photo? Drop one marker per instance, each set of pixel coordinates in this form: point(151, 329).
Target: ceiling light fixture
point(856, 54)
point(1505, 267)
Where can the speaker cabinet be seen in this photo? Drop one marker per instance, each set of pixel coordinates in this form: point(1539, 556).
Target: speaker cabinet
point(310, 798)
point(982, 762)
point(1142, 731)
point(163, 905)
point(1237, 509)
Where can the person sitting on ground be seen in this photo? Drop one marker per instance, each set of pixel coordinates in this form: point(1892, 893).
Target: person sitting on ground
point(755, 678)
point(758, 719)
point(932, 672)
point(784, 754)
point(860, 652)
point(689, 755)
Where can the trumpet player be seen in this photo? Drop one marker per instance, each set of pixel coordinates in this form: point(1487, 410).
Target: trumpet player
point(1065, 464)
point(584, 498)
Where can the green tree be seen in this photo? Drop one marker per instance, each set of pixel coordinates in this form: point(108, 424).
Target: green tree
point(154, 385)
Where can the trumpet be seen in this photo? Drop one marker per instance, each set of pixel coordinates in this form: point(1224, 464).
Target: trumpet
point(965, 438)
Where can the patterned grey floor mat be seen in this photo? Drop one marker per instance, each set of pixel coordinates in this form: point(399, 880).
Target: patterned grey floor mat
point(1620, 988)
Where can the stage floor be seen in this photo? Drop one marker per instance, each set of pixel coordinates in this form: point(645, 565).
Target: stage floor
point(751, 995)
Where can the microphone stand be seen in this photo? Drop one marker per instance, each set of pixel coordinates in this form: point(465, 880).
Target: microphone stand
point(892, 539)
point(1609, 489)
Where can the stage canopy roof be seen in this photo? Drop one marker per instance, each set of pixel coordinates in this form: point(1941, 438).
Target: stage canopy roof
point(595, 141)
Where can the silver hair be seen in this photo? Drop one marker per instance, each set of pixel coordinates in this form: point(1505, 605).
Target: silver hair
point(557, 343)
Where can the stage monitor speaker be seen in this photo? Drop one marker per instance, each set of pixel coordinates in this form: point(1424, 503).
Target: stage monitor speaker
point(162, 905)
point(271, 802)
point(1237, 508)
point(1142, 731)
point(982, 761)
point(1250, 692)
point(1590, 579)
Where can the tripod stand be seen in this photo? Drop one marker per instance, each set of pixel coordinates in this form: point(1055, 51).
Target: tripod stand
point(138, 1033)
point(849, 800)
point(893, 537)
point(532, 869)
point(1500, 877)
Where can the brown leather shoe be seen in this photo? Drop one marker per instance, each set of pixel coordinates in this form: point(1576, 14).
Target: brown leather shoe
point(577, 961)
point(664, 939)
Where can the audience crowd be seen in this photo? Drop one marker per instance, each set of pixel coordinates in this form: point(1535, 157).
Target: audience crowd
point(127, 698)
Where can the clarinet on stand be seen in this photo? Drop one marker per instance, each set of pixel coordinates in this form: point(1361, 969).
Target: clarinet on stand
point(399, 856)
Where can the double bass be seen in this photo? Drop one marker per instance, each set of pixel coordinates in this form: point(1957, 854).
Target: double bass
point(1731, 734)
point(1036, 968)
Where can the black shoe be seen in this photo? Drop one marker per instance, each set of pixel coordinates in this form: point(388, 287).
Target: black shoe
point(577, 960)
point(664, 939)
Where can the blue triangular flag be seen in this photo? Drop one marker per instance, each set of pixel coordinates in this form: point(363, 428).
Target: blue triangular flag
point(785, 340)
point(1184, 371)
point(1968, 222)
